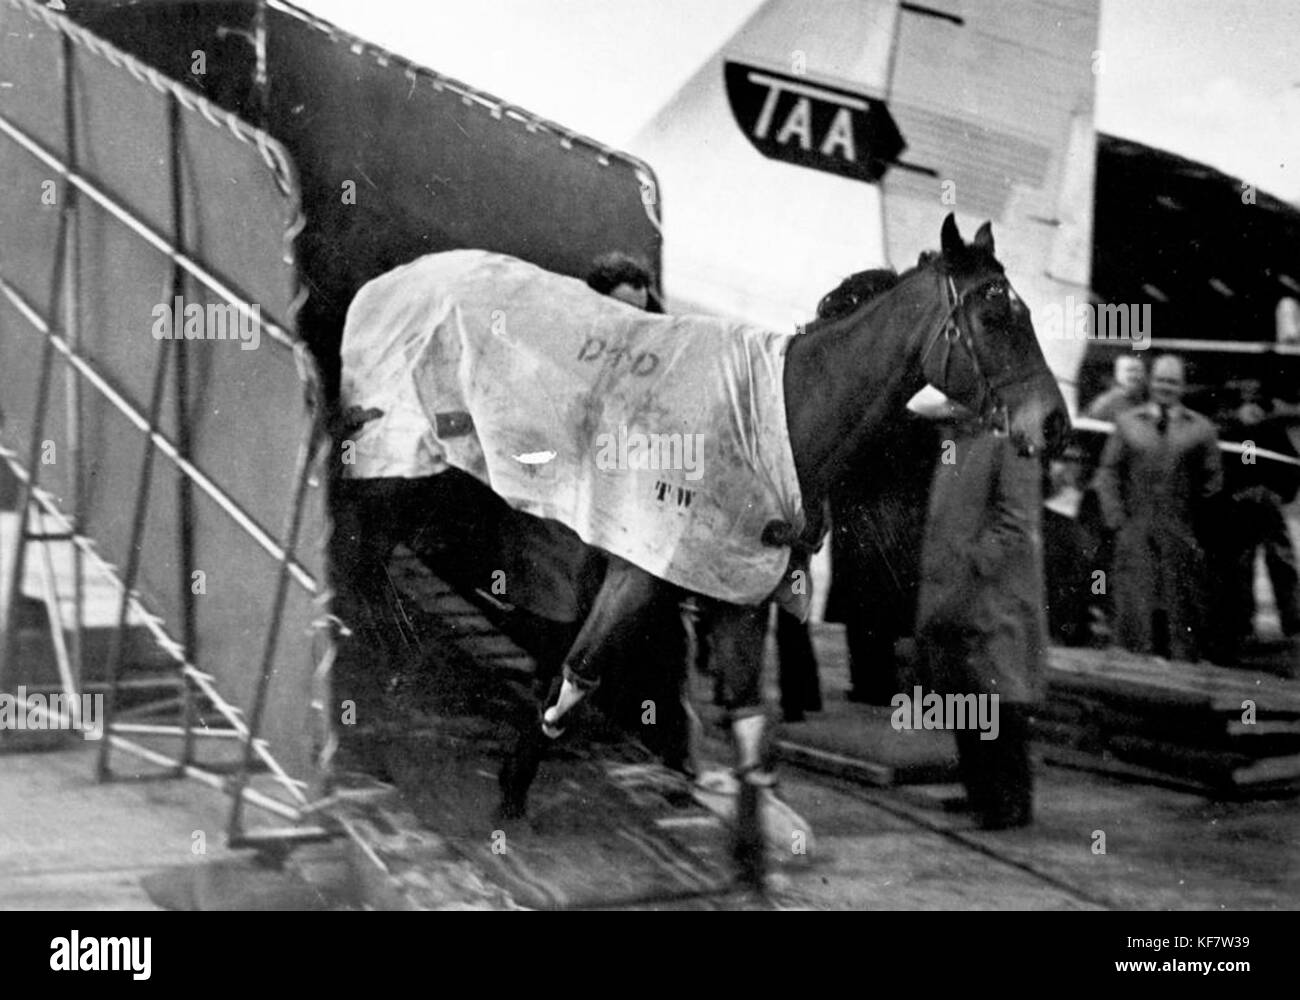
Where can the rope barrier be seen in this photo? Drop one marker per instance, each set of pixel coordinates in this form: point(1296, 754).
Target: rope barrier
point(1232, 447)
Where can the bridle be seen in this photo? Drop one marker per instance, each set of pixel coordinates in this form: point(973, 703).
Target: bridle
point(953, 329)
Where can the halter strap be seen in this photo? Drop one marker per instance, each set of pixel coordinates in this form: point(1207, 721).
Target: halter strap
point(993, 412)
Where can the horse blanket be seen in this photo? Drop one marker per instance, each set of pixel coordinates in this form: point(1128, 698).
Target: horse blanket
point(659, 439)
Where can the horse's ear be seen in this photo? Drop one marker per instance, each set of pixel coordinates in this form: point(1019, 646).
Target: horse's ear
point(950, 241)
point(984, 238)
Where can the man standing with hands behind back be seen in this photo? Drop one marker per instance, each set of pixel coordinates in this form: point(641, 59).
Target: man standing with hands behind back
point(1159, 471)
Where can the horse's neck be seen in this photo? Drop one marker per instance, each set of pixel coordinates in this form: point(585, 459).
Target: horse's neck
point(845, 383)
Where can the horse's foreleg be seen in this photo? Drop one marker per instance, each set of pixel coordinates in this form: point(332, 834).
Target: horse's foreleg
point(614, 616)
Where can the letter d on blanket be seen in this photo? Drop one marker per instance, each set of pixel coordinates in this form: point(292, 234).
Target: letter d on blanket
point(600, 349)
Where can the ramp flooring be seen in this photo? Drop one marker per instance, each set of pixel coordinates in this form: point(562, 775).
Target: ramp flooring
point(607, 826)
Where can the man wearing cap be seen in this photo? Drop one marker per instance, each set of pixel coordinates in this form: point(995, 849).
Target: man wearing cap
point(1160, 470)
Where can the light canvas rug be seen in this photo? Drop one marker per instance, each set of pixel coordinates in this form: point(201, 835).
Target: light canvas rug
point(659, 439)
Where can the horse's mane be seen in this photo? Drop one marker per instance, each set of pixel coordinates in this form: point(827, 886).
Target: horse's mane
point(854, 291)
point(858, 289)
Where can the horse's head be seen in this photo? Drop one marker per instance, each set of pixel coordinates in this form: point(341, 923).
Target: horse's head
point(985, 354)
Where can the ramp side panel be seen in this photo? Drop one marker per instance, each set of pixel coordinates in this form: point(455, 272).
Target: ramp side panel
point(241, 211)
point(246, 408)
point(121, 137)
point(232, 615)
point(31, 99)
point(20, 365)
point(31, 54)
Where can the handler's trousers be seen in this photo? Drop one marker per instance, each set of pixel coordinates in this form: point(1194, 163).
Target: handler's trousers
point(997, 773)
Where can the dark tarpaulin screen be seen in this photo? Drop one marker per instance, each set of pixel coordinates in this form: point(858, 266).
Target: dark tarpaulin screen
point(435, 165)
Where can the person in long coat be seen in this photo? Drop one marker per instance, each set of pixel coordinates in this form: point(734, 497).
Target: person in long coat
point(1160, 472)
point(981, 623)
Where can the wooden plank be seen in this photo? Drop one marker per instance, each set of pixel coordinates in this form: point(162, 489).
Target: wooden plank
point(1263, 728)
point(1269, 770)
point(838, 765)
point(1273, 697)
point(1172, 676)
point(1199, 731)
point(489, 644)
point(1064, 756)
point(1140, 758)
point(1177, 758)
point(1200, 726)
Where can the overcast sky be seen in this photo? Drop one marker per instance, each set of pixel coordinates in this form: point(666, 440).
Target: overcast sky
point(1215, 80)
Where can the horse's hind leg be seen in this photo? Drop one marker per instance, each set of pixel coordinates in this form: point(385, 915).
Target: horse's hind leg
point(625, 593)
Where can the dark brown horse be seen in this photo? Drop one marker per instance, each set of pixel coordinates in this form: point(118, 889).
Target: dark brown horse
point(953, 322)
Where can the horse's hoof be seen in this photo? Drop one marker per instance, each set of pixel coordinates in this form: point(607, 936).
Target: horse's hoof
point(519, 769)
point(549, 729)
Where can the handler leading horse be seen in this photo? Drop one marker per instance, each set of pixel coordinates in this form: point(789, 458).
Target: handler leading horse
point(954, 322)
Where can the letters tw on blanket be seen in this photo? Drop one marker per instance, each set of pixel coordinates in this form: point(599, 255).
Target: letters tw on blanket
point(660, 439)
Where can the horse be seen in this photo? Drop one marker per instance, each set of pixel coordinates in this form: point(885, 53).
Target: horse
point(954, 322)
